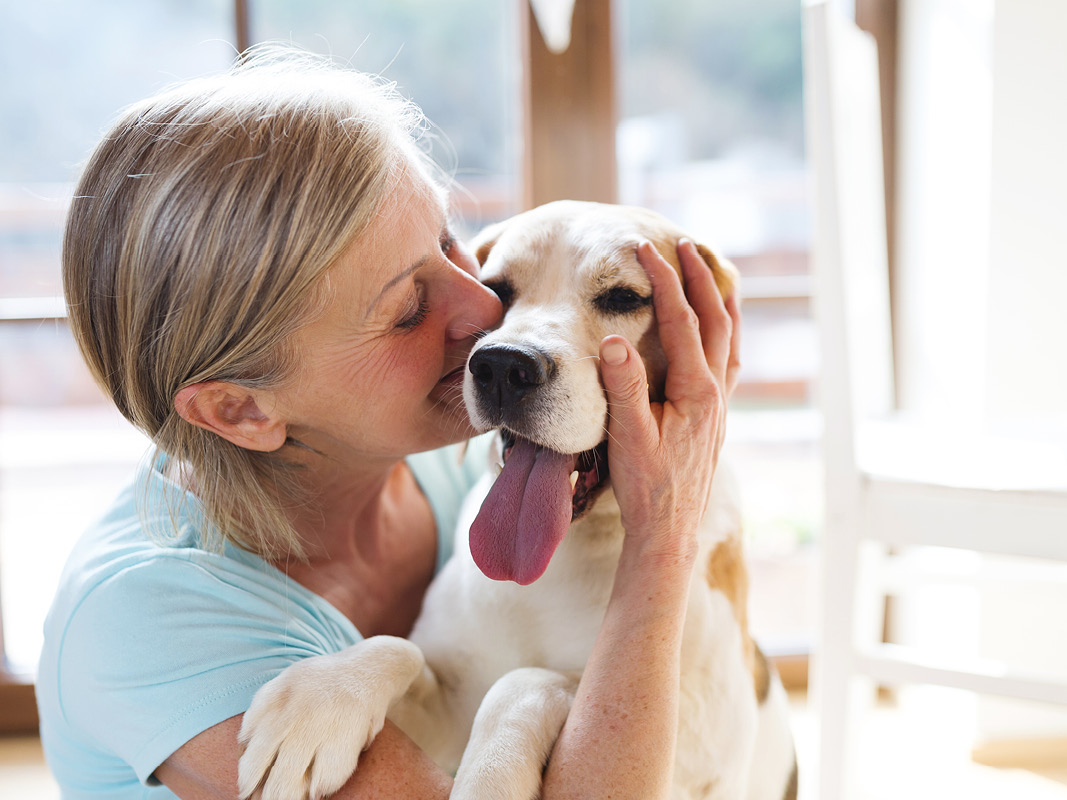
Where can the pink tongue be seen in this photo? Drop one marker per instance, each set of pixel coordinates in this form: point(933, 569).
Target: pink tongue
point(525, 515)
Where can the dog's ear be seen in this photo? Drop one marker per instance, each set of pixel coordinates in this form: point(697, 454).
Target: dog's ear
point(482, 251)
point(484, 241)
point(726, 274)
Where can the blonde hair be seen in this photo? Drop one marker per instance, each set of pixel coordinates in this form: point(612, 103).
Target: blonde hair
point(196, 245)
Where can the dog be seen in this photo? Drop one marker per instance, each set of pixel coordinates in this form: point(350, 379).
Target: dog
point(486, 679)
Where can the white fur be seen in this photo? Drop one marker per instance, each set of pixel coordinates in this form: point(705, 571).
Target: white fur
point(510, 654)
point(346, 693)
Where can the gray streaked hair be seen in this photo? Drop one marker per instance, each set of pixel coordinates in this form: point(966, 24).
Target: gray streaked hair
point(196, 245)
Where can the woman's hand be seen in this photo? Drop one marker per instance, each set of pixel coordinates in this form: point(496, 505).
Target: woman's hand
point(663, 455)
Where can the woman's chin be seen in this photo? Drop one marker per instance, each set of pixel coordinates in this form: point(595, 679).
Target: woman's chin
point(452, 423)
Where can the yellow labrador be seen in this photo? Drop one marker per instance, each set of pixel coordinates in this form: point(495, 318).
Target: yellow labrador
point(486, 680)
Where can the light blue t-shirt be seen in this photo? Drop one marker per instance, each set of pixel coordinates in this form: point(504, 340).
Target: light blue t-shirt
point(148, 645)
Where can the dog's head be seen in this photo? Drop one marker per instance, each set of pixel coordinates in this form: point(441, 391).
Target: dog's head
point(567, 274)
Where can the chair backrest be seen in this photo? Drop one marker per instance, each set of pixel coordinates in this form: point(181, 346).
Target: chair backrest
point(843, 125)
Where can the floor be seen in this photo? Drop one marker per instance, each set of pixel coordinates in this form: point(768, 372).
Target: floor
point(23, 774)
point(909, 753)
point(918, 746)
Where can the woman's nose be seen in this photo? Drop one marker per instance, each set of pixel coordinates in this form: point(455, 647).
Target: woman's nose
point(475, 307)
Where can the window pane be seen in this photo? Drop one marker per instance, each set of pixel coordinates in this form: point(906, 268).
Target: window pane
point(459, 61)
point(712, 119)
point(77, 63)
point(712, 135)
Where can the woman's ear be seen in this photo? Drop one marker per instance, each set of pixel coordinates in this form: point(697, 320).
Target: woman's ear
point(233, 412)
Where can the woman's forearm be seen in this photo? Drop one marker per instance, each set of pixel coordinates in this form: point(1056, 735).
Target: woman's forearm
point(619, 738)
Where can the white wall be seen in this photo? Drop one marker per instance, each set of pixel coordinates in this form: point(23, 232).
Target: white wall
point(982, 204)
point(943, 208)
point(1027, 308)
point(1027, 316)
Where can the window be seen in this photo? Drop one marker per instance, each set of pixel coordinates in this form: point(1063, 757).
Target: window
point(458, 61)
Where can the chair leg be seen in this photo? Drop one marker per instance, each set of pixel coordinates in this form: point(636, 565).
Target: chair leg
point(850, 617)
point(832, 672)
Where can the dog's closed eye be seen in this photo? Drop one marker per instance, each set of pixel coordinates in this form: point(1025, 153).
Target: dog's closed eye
point(621, 300)
point(503, 289)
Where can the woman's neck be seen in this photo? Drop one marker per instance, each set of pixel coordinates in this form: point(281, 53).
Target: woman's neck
point(371, 543)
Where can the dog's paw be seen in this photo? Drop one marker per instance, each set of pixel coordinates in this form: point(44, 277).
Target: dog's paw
point(513, 734)
point(305, 729)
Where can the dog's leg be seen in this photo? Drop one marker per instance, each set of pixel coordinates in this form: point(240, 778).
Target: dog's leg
point(514, 731)
point(433, 712)
point(306, 728)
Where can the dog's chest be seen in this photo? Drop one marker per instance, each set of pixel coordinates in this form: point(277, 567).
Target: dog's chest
point(565, 608)
point(717, 703)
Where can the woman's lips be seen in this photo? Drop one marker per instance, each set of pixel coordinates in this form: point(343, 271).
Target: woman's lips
point(453, 377)
point(450, 387)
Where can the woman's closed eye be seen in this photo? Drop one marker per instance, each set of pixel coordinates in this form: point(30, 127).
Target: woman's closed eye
point(416, 317)
point(421, 309)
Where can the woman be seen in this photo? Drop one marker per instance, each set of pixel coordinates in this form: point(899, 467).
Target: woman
point(260, 272)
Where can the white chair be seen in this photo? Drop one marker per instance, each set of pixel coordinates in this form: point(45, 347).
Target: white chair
point(891, 484)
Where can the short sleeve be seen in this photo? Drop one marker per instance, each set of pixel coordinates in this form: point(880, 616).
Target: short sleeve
point(179, 643)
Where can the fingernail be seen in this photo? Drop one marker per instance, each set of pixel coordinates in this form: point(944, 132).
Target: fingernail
point(613, 353)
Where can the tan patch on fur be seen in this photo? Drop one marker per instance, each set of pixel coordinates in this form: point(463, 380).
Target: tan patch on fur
point(482, 253)
point(761, 674)
point(726, 572)
point(655, 364)
point(791, 788)
point(725, 272)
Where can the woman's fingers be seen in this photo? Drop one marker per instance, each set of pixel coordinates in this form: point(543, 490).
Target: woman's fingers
point(697, 326)
point(659, 453)
point(679, 328)
point(704, 297)
point(630, 425)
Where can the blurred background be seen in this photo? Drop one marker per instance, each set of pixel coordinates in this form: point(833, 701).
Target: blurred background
point(709, 131)
point(694, 108)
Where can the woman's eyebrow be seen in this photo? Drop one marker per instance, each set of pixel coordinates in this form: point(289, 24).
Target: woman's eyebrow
point(445, 226)
point(394, 281)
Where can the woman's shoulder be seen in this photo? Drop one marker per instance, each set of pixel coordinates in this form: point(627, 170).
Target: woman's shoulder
point(149, 643)
point(150, 521)
point(152, 628)
point(146, 555)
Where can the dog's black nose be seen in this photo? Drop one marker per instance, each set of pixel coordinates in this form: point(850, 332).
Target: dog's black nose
point(506, 373)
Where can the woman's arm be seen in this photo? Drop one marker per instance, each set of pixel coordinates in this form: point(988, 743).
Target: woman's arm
point(392, 768)
point(619, 738)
